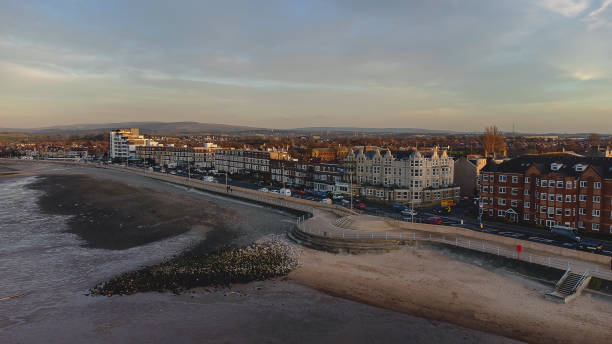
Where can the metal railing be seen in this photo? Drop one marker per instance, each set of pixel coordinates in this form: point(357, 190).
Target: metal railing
point(332, 231)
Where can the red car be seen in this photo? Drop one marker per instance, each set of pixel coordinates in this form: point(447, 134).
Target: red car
point(360, 206)
point(434, 220)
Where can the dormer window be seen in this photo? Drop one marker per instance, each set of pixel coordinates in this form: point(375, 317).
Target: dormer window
point(580, 167)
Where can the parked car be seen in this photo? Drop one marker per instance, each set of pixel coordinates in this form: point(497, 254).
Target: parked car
point(360, 206)
point(434, 220)
point(285, 192)
point(326, 201)
point(274, 191)
point(409, 212)
point(567, 234)
point(263, 189)
point(399, 207)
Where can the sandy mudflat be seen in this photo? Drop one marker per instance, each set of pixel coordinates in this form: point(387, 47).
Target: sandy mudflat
point(425, 283)
point(112, 215)
point(260, 312)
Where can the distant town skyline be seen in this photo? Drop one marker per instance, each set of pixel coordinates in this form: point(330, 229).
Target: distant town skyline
point(540, 65)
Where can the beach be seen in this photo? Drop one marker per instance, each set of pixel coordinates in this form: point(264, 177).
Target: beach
point(416, 294)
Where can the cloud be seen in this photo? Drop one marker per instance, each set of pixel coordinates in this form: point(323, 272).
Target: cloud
point(568, 8)
point(596, 19)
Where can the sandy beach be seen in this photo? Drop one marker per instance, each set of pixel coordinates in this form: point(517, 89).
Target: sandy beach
point(427, 283)
point(416, 294)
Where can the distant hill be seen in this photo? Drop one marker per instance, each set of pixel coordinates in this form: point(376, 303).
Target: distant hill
point(378, 130)
point(160, 128)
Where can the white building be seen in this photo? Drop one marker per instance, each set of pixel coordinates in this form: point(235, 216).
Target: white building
point(123, 143)
point(425, 177)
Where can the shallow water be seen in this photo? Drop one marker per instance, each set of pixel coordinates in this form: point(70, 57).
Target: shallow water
point(47, 264)
point(39, 258)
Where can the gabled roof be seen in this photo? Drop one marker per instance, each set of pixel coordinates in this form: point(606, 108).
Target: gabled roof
point(563, 165)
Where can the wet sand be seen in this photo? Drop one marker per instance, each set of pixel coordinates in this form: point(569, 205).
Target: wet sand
point(112, 215)
point(259, 312)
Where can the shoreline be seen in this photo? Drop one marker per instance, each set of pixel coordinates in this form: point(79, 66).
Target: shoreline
point(412, 281)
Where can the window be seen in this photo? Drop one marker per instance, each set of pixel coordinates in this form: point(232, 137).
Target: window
point(502, 190)
point(514, 191)
point(558, 211)
point(514, 179)
point(526, 205)
point(551, 197)
point(543, 196)
point(559, 184)
point(501, 213)
point(582, 198)
point(526, 192)
point(542, 210)
point(595, 212)
point(526, 218)
point(485, 189)
point(501, 201)
point(568, 212)
point(490, 212)
point(485, 177)
point(580, 224)
point(581, 211)
point(551, 183)
point(544, 183)
point(568, 198)
point(527, 181)
point(559, 198)
point(568, 185)
point(503, 178)
point(596, 199)
point(583, 183)
point(514, 203)
point(595, 226)
point(597, 185)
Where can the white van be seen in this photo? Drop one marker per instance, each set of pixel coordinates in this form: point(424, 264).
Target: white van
point(285, 192)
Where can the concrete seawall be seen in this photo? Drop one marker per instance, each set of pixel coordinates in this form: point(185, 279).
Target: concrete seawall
point(510, 243)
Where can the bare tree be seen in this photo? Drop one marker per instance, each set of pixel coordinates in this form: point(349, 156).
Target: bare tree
point(594, 140)
point(492, 141)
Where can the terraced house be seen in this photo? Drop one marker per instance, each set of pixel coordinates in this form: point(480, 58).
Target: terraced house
point(421, 177)
point(550, 190)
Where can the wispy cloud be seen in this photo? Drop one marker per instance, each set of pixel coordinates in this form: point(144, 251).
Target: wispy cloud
point(596, 18)
point(568, 8)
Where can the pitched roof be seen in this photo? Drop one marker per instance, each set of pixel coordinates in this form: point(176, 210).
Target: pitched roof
point(562, 164)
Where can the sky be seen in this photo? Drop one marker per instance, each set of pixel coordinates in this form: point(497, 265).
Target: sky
point(540, 65)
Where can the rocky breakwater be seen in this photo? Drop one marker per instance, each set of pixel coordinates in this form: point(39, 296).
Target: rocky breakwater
point(255, 262)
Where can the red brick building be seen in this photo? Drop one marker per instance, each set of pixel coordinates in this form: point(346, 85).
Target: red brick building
point(550, 190)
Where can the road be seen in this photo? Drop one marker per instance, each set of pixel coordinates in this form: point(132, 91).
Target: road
point(455, 217)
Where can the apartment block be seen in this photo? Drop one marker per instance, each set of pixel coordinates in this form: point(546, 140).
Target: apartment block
point(123, 143)
point(419, 177)
point(178, 156)
point(550, 190)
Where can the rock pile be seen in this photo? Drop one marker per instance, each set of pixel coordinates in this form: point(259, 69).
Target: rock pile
point(273, 258)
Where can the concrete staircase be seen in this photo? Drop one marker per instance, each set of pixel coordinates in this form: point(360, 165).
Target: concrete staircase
point(569, 286)
point(339, 245)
